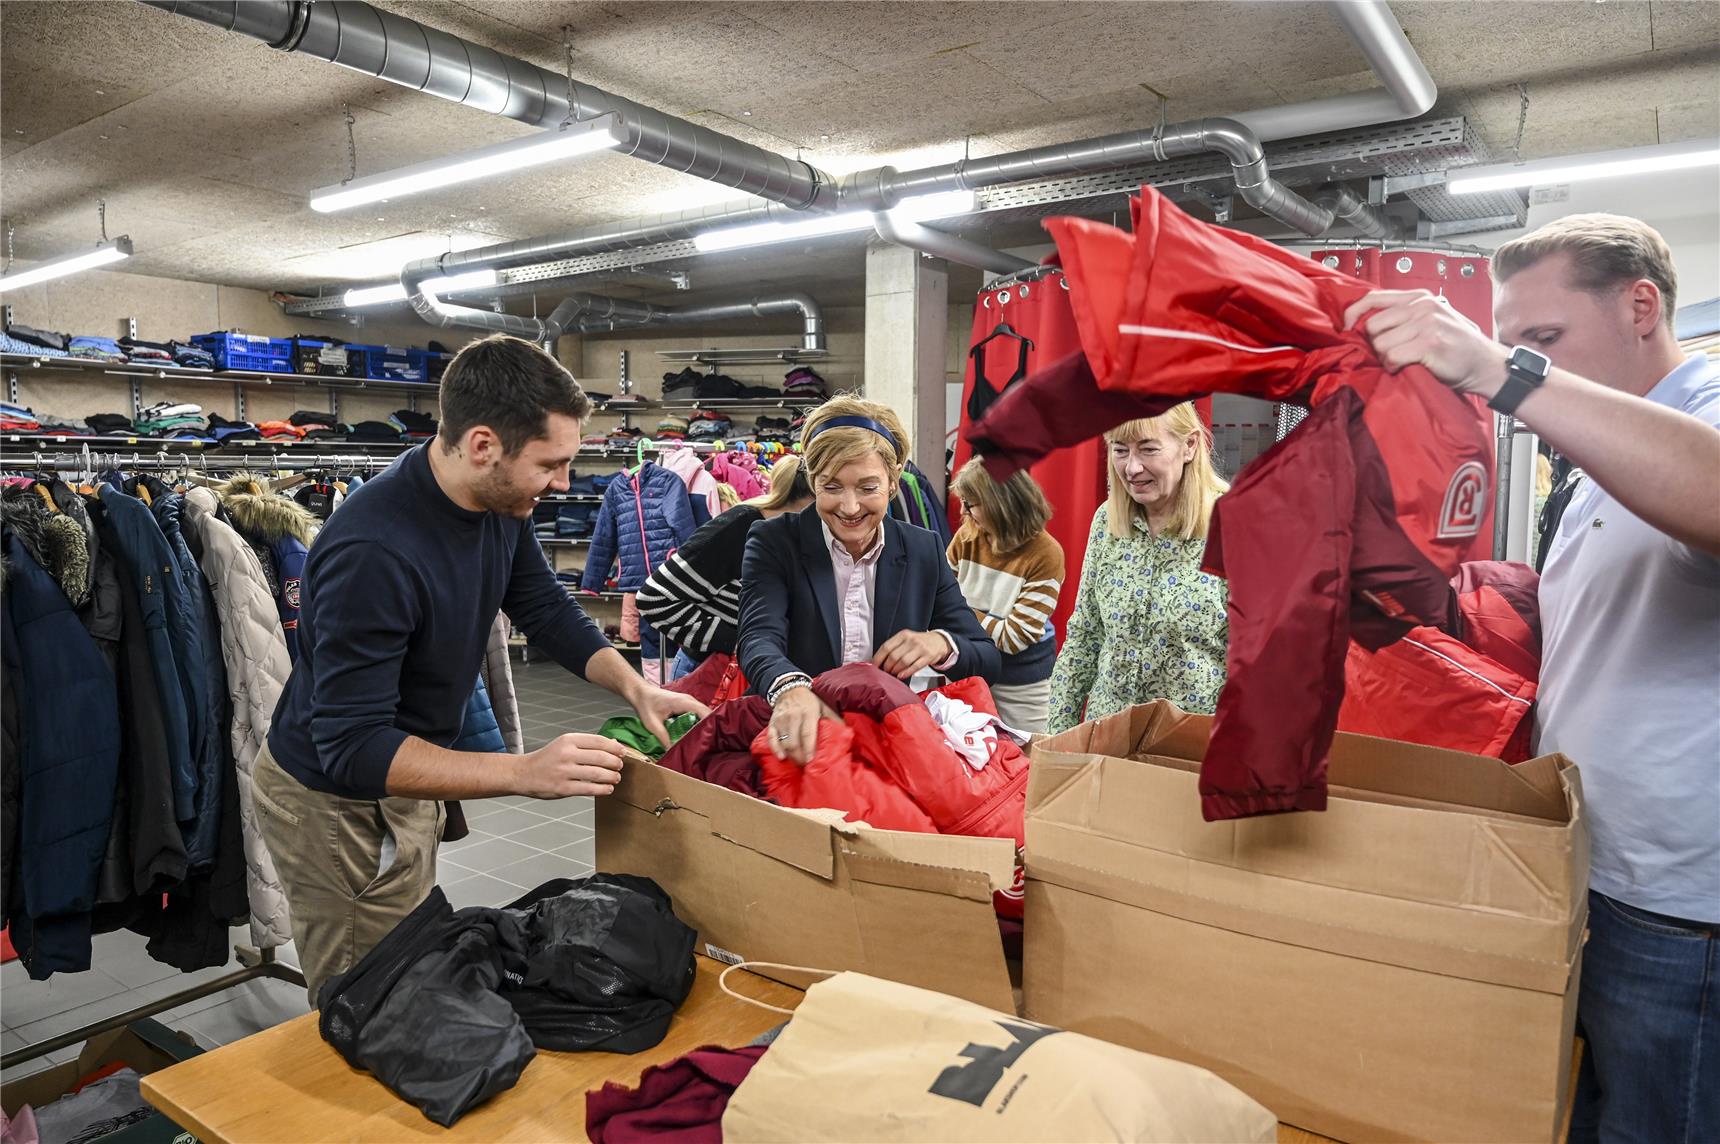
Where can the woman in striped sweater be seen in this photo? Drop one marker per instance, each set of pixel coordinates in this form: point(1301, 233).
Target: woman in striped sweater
point(1011, 570)
point(693, 598)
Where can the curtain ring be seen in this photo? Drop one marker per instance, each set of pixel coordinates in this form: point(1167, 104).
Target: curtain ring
point(1024, 290)
point(1003, 297)
point(986, 301)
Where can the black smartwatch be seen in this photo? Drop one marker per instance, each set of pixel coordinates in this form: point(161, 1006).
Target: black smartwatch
point(1525, 370)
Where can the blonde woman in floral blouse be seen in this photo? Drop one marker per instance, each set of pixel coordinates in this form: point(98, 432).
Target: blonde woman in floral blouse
point(1148, 623)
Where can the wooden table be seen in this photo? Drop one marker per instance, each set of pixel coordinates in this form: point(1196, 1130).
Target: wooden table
point(288, 1085)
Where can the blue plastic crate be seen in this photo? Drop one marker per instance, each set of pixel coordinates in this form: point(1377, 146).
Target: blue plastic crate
point(392, 363)
point(247, 351)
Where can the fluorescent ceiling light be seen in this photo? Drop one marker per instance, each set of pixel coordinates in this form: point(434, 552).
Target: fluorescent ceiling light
point(395, 292)
point(1582, 168)
point(60, 267)
point(546, 147)
point(918, 209)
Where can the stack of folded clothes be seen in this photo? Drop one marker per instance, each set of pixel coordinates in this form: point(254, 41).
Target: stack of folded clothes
point(681, 384)
point(672, 427)
point(170, 419)
point(413, 426)
point(166, 353)
point(95, 349)
point(374, 432)
point(623, 438)
point(803, 382)
point(17, 419)
point(110, 424)
point(223, 430)
point(51, 425)
point(778, 429)
point(36, 343)
point(710, 426)
point(280, 431)
point(318, 425)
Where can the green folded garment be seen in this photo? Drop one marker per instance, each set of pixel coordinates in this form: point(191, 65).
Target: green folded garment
point(630, 732)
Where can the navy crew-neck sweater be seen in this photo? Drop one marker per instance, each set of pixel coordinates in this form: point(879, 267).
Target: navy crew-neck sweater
point(399, 593)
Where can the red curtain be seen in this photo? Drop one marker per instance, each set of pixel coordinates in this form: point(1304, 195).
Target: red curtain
point(1073, 479)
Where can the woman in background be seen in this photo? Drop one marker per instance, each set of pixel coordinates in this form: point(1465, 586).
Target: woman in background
point(1148, 623)
point(1011, 571)
point(693, 598)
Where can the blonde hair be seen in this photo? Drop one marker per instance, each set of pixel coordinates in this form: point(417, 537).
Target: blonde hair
point(1016, 511)
point(726, 495)
point(788, 484)
point(829, 452)
point(1607, 251)
point(1199, 490)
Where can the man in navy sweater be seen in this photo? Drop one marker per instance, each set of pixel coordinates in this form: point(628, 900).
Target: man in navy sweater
point(399, 594)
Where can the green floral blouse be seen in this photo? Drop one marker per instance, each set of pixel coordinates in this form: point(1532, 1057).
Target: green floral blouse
point(1148, 624)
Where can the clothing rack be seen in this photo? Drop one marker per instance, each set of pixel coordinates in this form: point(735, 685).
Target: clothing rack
point(87, 461)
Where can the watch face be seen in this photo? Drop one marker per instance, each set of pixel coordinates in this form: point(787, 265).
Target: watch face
point(1525, 359)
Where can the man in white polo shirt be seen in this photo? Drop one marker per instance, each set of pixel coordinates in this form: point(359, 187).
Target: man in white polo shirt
point(1630, 614)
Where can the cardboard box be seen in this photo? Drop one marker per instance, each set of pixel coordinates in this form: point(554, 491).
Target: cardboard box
point(145, 1045)
point(764, 883)
point(1402, 966)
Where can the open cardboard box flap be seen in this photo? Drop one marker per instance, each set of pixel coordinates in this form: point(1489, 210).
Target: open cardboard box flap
point(766, 883)
point(1114, 810)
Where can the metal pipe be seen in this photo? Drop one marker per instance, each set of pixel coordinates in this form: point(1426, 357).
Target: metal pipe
point(945, 245)
point(367, 39)
point(1345, 204)
point(1406, 92)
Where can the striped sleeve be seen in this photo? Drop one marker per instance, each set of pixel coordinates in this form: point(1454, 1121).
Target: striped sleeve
point(1015, 596)
point(693, 598)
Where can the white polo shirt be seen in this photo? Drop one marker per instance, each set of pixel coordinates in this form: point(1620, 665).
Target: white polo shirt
point(1630, 686)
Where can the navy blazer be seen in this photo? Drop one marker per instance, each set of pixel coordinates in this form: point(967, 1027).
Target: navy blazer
point(790, 619)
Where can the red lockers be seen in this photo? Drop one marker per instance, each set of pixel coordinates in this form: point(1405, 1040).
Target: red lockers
point(1466, 280)
point(1073, 479)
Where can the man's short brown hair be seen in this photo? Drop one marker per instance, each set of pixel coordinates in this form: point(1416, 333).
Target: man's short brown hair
point(510, 385)
point(1607, 252)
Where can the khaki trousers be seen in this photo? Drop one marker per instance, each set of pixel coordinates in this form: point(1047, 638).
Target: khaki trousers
point(352, 868)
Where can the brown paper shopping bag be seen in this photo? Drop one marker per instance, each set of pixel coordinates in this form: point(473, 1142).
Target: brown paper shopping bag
point(866, 1059)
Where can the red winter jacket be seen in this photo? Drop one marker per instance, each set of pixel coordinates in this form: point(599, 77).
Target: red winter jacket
point(1350, 526)
point(1467, 685)
point(887, 763)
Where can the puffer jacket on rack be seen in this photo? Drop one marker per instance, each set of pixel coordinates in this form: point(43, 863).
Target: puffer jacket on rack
point(280, 530)
point(197, 649)
point(1351, 526)
point(497, 672)
point(68, 766)
point(645, 516)
point(701, 485)
point(255, 653)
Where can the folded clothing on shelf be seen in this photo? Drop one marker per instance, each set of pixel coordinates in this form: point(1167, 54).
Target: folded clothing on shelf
point(137, 349)
point(336, 432)
point(42, 339)
point(109, 424)
point(95, 349)
point(11, 344)
point(688, 378)
point(411, 421)
point(165, 409)
point(804, 382)
point(59, 426)
point(223, 430)
point(710, 428)
point(671, 423)
point(376, 431)
point(18, 419)
point(306, 418)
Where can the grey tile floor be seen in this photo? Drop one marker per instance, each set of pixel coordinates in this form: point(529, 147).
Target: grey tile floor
point(515, 844)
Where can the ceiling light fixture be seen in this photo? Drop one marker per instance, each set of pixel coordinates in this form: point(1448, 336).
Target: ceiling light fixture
point(581, 138)
point(921, 208)
point(103, 254)
point(395, 292)
point(1583, 168)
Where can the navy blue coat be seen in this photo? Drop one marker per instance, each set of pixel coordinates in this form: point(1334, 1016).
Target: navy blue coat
point(790, 619)
point(68, 742)
point(668, 524)
point(155, 583)
point(197, 648)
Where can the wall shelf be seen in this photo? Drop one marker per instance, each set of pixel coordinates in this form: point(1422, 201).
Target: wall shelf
point(138, 370)
point(789, 355)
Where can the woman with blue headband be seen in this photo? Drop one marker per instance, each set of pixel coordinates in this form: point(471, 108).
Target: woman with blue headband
point(843, 583)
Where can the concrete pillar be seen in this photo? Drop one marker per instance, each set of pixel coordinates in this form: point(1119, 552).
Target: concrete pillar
point(907, 323)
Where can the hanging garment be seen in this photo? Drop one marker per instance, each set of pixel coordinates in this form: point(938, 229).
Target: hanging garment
point(645, 516)
point(255, 653)
point(282, 528)
point(497, 672)
point(446, 1010)
point(68, 764)
point(1073, 474)
point(701, 486)
point(740, 472)
point(1349, 526)
point(157, 845)
point(197, 649)
point(479, 731)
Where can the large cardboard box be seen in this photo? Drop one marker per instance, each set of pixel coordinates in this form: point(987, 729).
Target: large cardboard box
point(1402, 966)
point(764, 883)
point(145, 1045)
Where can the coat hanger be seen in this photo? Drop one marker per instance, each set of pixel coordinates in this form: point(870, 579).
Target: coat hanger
point(639, 455)
point(1003, 330)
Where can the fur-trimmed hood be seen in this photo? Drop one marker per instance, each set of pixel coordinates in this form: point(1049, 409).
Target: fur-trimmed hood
point(265, 515)
point(54, 540)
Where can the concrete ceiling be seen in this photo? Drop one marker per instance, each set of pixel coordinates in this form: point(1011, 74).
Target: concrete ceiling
point(205, 144)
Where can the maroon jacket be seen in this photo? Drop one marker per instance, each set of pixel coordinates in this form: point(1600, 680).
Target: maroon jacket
point(1351, 526)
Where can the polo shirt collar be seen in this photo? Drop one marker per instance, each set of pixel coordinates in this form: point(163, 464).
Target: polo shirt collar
point(1676, 389)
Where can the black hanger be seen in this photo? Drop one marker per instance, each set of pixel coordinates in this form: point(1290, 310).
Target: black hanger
point(1003, 330)
point(984, 393)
